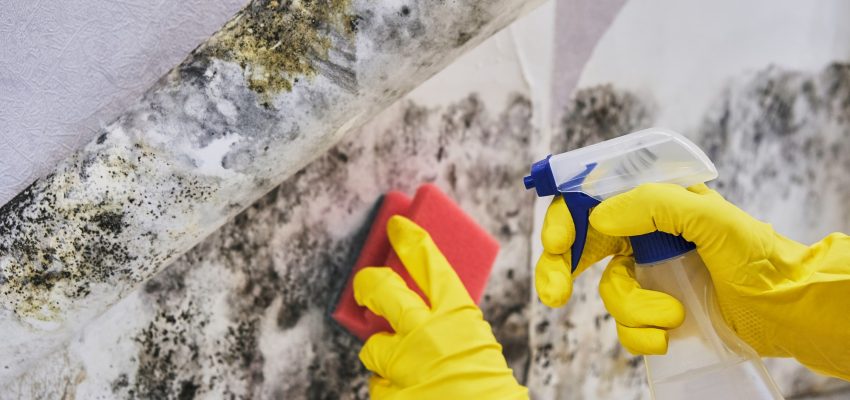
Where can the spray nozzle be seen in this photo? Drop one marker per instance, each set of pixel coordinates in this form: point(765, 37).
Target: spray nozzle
point(586, 176)
point(578, 203)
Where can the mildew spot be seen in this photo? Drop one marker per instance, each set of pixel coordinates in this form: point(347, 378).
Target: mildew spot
point(109, 221)
point(36, 266)
point(276, 42)
point(68, 231)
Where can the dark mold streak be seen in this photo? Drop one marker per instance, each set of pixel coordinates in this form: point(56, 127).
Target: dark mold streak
point(68, 241)
point(90, 258)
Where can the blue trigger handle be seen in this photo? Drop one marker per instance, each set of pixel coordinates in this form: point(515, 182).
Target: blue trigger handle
point(579, 205)
point(651, 248)
point(657, 247)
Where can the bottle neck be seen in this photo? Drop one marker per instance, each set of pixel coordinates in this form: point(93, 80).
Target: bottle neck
point(656, 247)
point(679, 257)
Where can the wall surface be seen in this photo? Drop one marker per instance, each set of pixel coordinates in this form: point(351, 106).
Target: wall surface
point(244, 313)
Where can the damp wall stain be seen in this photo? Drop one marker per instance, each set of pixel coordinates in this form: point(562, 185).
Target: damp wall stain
point(600, 113)
point(243, 314)
point(71, 244)
point(255, 323)
point(278, 42)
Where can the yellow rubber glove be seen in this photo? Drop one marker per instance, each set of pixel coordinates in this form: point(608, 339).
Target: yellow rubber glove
point(445, 351)
point(642, 316)
point(783, 298)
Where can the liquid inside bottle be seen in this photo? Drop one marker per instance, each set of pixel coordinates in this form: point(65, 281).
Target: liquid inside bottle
point(705, 359)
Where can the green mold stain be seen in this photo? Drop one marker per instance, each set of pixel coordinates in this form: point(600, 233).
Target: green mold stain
point(276, 42)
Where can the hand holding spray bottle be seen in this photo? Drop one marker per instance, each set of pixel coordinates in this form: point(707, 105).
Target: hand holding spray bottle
point(705, 359)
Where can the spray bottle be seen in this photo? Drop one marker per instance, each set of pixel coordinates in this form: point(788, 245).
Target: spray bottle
point(705, 359)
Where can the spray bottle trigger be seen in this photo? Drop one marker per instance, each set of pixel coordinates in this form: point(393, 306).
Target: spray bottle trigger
point(579, 205)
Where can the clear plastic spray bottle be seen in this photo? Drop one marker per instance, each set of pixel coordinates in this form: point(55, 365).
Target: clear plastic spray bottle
point(705, 359)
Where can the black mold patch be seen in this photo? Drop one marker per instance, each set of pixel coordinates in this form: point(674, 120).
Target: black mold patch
point(188, 390)
point(110, 221)
point(600, 113)
point(91, 256)
point(120, 383)
point(167, 342)
point(777, 135)
point(781, 132)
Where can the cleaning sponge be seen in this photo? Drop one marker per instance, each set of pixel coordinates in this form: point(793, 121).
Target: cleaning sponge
point(359, 320)
point(467, 247)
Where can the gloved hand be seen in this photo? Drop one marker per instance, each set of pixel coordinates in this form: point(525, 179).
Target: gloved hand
point(783, 298)
point(442, 351)
point(642, 316)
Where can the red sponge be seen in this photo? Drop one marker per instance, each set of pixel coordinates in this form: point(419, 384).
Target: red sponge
point(358, 320)
point(467, 247)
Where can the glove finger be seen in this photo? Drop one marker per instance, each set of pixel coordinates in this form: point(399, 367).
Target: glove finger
point(380, 387)
point(558, 235)
point(427, 265)
point(656, 207)
point(558, 232)
point(700, 188)
point(377, 353)
point(552, 280)
point(599, 246)
point(643, 341)
point(385, 293)
point(633, 306)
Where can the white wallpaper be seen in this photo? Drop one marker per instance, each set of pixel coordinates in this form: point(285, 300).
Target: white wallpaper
point(69, 67)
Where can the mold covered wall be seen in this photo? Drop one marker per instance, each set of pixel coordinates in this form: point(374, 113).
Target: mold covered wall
point(243, 314)
point(273, 89)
